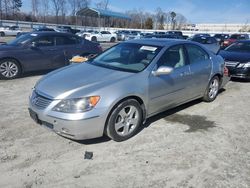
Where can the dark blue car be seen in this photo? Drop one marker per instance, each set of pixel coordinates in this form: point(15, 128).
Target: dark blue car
point(237, 59)
point(42, 51)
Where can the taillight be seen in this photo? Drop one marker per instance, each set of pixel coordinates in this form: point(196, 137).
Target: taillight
point(226, 71)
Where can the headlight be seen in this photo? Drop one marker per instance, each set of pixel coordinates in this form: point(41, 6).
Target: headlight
point(243, 65)
point(77, 105)
point(247, 65)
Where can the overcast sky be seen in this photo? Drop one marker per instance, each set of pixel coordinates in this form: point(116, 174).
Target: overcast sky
point(196, 11)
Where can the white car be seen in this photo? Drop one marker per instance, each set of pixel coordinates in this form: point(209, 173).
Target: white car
point(10, 31)
point(84, 33)
point(102, 36)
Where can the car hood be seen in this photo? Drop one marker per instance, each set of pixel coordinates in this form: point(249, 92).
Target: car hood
point(235, 56)
point(79, 79)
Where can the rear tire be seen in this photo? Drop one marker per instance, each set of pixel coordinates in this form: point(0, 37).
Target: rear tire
point(2, 34)
point(212, 89)
point(9, 69)
point(112, 39)
point(124, 120)
point(94, 39)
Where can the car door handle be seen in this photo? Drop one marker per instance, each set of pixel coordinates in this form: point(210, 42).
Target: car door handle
point(52, 49)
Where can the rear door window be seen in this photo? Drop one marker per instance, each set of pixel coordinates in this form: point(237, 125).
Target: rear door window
point(67, 40)
point(196, 54)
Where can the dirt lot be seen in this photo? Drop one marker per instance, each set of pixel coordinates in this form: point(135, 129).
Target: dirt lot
point(196, 145)
point(203, 145)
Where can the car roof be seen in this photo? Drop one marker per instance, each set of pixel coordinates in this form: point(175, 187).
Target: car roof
point(45, 33)
point(160, 42)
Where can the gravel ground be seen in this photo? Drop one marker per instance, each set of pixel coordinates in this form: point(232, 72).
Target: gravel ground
point(204, 145)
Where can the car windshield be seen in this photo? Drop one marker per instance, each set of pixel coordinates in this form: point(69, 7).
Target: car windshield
point(128, 57)
point(22, 39)
point(239, 47)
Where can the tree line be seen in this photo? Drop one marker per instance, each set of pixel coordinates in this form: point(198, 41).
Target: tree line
point(64, 12)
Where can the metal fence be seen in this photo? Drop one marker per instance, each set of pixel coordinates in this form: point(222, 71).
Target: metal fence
point(30, 25)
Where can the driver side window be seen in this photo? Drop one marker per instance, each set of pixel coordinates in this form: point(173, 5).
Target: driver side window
point(174, 57)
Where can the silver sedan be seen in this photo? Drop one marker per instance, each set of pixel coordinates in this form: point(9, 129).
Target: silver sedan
point(116, 92)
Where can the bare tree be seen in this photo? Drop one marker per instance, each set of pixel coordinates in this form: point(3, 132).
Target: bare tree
point(173, 21)
point(180, 21)
point(34, 6)
point(6, 4)
point(76, 5)
point(44, 7)
point(160, 18)
point(57, 8)
point(63, 11)
point(103, 4)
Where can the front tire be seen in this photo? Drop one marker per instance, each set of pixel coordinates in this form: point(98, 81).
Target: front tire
point(212, 89)
point(124, 120)
point(9, 69)
point(2, 34)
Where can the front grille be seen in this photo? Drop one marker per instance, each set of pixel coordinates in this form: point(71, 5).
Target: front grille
point(39, 101)
point(231, 63)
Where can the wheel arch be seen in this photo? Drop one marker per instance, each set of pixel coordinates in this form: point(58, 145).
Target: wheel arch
point(219, 75)
point(135, 97)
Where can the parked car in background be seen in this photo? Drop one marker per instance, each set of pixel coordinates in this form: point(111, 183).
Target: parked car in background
point(117, 91)
point(84, 33)
point(145, 34)
point(209, 42)
point(101, 36)
point(9, 31)
point(42, 29)
point(233, 38)
point(163, 36)
point(237, 59)
point(201, 35)
point(178, 33)
point(221, 37)
point(66, 29)
point(42, 51)
point(38, 29)
point(159, 33)
point(133, 35)
point(122, 35)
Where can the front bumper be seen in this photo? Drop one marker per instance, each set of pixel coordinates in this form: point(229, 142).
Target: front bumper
point(239, 72)
point(91, 126)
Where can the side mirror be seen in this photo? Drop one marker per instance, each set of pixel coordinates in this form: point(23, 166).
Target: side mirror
point(162, 70)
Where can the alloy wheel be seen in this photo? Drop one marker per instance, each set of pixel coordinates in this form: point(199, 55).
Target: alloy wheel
point(126, 120)
point(9, 69)
point(213, 88)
